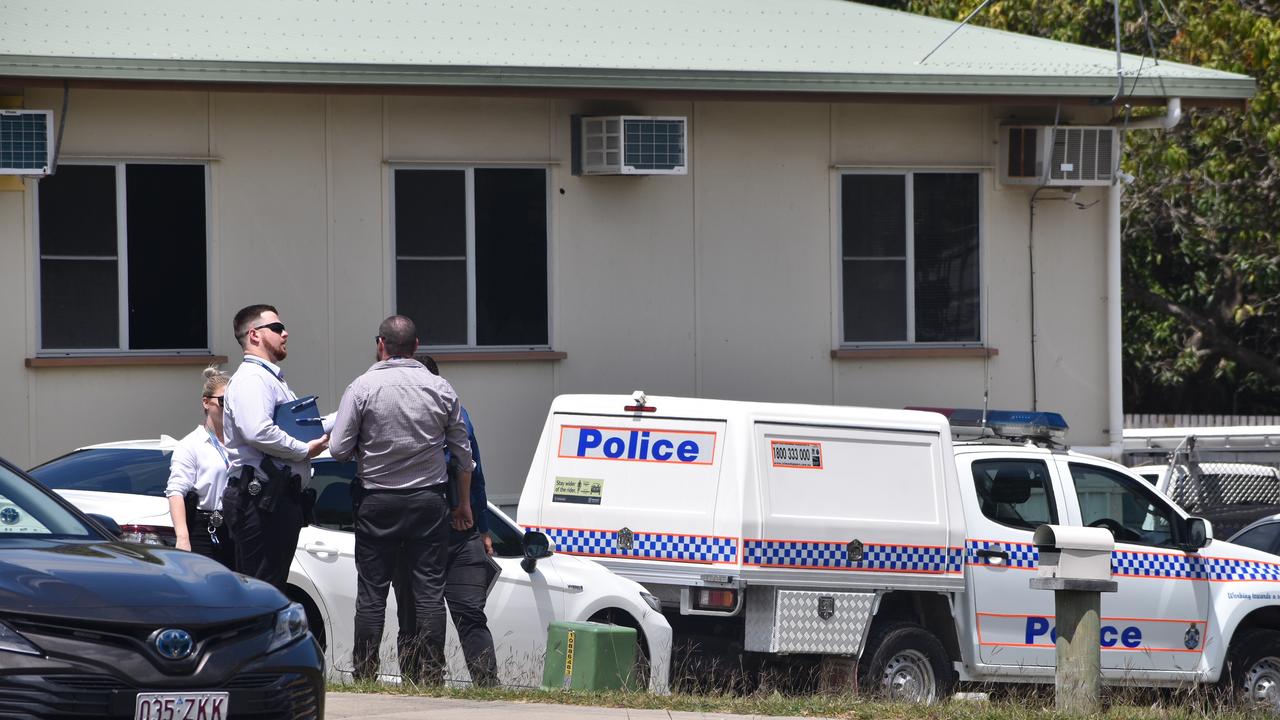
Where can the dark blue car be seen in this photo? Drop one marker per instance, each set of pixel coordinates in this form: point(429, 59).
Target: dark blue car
point(95, 628)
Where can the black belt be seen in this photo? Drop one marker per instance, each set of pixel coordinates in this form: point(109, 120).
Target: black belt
point(438, 487)
point(212, 518)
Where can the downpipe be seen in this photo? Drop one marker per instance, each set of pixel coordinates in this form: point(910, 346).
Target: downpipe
point(1115, 366)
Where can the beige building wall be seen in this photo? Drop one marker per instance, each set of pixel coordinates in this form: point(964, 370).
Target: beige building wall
point(719, 283)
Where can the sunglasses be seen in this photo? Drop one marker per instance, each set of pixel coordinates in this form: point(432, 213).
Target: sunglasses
point(275, 327)
point(221, 403)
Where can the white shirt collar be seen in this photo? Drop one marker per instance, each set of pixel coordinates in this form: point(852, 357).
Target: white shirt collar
point(274, 368)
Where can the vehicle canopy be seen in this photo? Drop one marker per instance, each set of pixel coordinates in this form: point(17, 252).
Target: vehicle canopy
point(777, 493)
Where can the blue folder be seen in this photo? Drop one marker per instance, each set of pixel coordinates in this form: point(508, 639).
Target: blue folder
point(299, 418)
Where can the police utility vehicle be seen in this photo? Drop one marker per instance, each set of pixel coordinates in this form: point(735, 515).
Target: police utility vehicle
point(867, 539)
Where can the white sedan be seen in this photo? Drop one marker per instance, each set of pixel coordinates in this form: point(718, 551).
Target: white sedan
point(126, 480)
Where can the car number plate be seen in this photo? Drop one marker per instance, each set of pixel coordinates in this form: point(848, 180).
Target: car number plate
point(181, 706)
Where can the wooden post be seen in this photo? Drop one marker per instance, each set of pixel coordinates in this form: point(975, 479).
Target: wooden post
point(1078, 677)
point(1078, 680)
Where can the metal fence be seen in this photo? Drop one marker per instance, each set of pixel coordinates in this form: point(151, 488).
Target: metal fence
point(1136, 421)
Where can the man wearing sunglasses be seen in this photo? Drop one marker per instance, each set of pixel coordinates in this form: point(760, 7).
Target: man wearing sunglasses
point(264, 540)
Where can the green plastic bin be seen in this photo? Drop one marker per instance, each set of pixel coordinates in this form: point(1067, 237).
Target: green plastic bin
point(588, 656)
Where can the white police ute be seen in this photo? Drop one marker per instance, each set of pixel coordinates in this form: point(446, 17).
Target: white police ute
point(894, 547)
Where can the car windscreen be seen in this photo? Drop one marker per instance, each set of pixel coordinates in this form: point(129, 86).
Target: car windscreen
point(114, 470)
point(27, 511)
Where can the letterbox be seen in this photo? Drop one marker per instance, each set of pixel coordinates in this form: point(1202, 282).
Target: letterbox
point(1074, 553)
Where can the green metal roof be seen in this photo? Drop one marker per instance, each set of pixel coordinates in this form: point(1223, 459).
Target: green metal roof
point(830, 46)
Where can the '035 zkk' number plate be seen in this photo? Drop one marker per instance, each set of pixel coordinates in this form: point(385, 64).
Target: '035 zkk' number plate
point(181, 706)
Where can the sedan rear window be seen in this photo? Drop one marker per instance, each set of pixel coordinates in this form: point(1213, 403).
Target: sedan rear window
point(136, 472)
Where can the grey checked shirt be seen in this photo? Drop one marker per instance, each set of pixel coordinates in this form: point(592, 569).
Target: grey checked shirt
point(395, 420)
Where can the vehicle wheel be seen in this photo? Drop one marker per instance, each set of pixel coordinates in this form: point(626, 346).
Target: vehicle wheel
point(906, 663)
point(1253, 666)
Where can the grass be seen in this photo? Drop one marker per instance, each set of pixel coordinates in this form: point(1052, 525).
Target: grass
point(1008, 704)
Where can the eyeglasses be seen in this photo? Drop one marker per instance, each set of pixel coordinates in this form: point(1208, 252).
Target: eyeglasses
point(221, 403)
point(275, 327)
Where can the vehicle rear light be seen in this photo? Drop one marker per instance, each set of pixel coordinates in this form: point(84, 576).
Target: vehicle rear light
point(148, 535)
point(715, 599)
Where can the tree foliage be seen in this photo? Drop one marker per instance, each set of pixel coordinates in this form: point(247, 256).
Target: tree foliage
point(1201, 255)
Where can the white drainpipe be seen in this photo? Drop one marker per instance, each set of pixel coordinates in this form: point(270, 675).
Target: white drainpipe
point(1115, 374)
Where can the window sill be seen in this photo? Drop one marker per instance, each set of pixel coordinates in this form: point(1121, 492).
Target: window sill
point(497, 356)
point(124, 360)
point(890, 353)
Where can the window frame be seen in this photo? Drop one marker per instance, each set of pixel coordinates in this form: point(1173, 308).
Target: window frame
point(122, 262)
point(468, 170)
point(839, 257)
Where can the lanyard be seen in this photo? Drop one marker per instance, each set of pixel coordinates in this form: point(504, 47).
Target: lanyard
point(217, 445)
point(278, 375)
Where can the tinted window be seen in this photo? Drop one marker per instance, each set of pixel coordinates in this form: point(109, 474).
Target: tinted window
point(137, 472)
point(1125, 506)
point(332, 483)
point(25, 510)
point(507, 540)
point(1016, 493)
point(1261, 538)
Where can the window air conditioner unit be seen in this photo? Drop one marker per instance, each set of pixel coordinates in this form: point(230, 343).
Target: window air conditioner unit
point(26, 142)
point(632, 145)
point(1058, 156)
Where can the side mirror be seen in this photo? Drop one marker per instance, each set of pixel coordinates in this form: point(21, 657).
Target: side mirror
point(536, 546)
point(108, 524)
point(1199, 533)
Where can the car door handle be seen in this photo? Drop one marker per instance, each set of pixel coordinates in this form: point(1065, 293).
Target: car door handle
point(988, 554)
point(320, 549)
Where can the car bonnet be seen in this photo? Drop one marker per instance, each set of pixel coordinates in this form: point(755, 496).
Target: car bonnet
point(108, 581)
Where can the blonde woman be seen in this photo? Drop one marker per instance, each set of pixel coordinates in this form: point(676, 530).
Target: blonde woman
point(197, 477)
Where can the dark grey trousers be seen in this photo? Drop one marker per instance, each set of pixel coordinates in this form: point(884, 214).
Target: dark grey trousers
point(466, 588)
point(393, 529)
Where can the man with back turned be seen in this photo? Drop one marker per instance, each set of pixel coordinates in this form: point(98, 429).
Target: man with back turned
point(395, 420)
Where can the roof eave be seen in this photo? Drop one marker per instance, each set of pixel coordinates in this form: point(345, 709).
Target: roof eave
point(1230, 88)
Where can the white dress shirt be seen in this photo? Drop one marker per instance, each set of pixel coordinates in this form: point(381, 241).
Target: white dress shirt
point(198, 462)
point(249, 405)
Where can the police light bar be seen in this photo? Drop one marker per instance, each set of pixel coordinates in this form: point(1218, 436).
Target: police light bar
point(1006, 423)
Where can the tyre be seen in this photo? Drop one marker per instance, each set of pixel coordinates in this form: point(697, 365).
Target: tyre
point(904, 662)
point(1253, 668)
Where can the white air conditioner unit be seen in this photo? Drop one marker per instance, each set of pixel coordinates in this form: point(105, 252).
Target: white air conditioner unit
point(632, 145)
point(1057, 156)
point(26, 142)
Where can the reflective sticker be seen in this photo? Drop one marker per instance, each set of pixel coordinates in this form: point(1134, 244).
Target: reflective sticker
point(673, 447)
point(794, 454)
point(582, 491)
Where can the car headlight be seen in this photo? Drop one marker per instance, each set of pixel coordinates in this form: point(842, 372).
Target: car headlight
point(12, 641)
point(291, 624)
point(652, 601)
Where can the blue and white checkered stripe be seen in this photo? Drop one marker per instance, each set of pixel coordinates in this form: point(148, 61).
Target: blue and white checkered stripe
point(1126, 563)
point(1021, 555)
point(818, 555)
point(644, 545)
